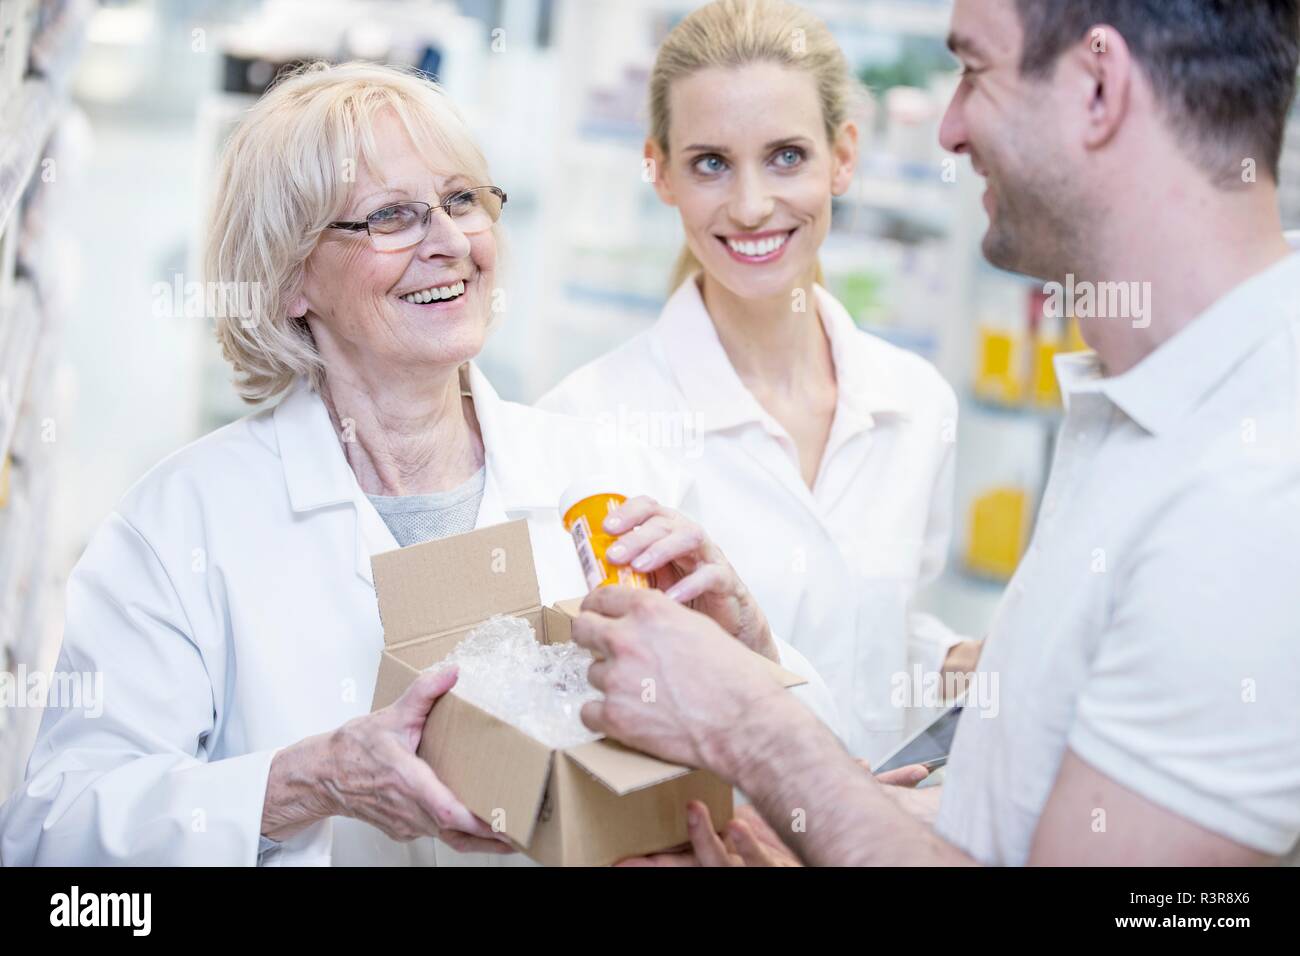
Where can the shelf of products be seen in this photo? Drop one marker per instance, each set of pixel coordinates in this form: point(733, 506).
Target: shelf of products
point(42, 40)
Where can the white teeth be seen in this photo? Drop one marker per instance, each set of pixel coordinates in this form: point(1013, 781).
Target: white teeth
point(437, 292)
point(762, 247)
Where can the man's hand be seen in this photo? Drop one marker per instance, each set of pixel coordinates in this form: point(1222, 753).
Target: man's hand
point(747, 840)
point(675, 684)
point(681, 560)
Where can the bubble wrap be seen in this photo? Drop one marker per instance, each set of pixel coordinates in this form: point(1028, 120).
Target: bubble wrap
point(539, 688)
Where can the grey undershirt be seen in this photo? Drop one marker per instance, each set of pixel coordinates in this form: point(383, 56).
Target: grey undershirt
point(417, 518)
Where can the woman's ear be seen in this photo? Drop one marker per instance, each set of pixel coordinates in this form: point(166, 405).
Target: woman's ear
point(844, 154)
point(298, 306)
point(654, 169)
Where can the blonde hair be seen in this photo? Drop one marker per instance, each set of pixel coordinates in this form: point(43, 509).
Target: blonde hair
point(737, 33)
point(285, 174)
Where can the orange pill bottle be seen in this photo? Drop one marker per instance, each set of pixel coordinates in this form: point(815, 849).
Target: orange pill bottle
point(583, 507)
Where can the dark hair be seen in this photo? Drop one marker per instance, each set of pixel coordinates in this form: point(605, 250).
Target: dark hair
point(1224, 70)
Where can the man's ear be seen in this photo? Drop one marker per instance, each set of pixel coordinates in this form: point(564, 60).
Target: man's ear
point(656, 170)
point(1101, 74)
point(844, 154)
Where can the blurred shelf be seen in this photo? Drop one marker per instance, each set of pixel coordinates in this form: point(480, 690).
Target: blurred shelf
point(979, 579)
point(1025, 413)
point(627, 301)
point(20, 328)
point(28, 115)
point(28, 119)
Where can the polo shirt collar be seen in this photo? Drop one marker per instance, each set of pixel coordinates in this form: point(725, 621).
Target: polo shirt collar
point(1173, 381)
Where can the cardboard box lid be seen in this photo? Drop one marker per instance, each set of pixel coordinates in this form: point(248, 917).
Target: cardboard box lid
point(454, 582)
point(621, 769)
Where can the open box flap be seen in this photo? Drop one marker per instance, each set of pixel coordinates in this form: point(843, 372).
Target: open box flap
point(621, 769)
point(496, 770)
point(454, 582)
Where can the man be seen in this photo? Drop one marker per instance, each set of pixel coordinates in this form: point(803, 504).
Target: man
point(1148, 648)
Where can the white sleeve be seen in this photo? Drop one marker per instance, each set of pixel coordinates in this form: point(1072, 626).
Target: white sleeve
point(121, 774)
point(1191, 695)
point(814, 695)
point(928, 638)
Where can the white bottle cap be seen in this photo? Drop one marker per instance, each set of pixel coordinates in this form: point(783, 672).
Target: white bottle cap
point(585, 488)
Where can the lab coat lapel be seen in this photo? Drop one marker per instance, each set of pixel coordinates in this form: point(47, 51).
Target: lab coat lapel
point(512, 489)
point(318, 477)
point(712, 388)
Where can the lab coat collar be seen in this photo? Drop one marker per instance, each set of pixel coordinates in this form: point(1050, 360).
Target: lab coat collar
point(510, 439)
point(315, 471)
point(1175, 379)
point(317, 474)
point(699, 363)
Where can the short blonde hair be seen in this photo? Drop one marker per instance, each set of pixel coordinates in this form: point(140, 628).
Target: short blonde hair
point(285, 174)
point(734, 33)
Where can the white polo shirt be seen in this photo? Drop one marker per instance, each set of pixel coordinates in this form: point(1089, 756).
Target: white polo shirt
point(1153, 627)
point(836, 566)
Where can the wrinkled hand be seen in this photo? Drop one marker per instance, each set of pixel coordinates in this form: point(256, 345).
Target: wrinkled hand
point(373, 775)
point(679, 559)
point(675, 684)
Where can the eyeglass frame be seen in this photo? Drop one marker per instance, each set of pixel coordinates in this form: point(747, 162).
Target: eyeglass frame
point(360, 224)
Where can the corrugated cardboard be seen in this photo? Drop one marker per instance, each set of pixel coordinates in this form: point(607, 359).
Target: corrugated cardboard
point(591, 804)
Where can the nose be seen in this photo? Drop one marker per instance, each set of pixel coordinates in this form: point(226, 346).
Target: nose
point(953, 135)
point(751, 202)
point(444, 238)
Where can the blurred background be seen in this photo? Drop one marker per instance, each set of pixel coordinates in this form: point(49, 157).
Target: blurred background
point(112, 115)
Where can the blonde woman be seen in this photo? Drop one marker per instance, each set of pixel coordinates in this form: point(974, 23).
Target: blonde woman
point(228, 601)
point(823, 455)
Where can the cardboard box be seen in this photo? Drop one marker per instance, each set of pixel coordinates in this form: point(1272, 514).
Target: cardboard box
point(588, 805)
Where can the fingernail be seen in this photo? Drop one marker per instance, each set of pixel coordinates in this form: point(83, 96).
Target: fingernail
point(692, 817)
point(616, 552)
point(613, 522)
point(643, 561)
point(674, 592)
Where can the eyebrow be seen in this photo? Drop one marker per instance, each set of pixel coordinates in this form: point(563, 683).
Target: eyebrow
point(772, 144)
point(452, 182)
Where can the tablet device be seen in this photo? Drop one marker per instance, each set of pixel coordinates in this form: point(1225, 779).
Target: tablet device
point(928, 747)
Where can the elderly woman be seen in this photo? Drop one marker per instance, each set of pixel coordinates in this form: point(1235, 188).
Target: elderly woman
point(228, 601)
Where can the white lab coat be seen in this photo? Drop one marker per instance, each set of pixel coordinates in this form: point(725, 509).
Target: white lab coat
point(229, 604)
point(837, 567)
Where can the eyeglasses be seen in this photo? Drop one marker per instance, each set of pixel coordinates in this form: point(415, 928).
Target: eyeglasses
point(405, 224)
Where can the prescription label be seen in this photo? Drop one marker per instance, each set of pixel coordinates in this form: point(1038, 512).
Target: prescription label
point(591, 567)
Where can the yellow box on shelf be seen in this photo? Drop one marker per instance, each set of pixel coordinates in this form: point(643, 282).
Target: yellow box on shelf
point(999, 523)
point(998, 375)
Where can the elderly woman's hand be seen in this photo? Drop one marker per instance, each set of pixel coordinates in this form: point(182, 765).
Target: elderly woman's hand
point(679, 559)
point(367, 769)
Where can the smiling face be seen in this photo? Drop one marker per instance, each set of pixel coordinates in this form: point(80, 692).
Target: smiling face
point(1016, 131)
point(366, 308)
point(751, 171)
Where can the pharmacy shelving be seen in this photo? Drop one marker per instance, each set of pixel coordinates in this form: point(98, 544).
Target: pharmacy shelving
point(42, 42)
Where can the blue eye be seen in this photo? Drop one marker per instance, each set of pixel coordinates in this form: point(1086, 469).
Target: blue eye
point(710, 164)
point(790, 157)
